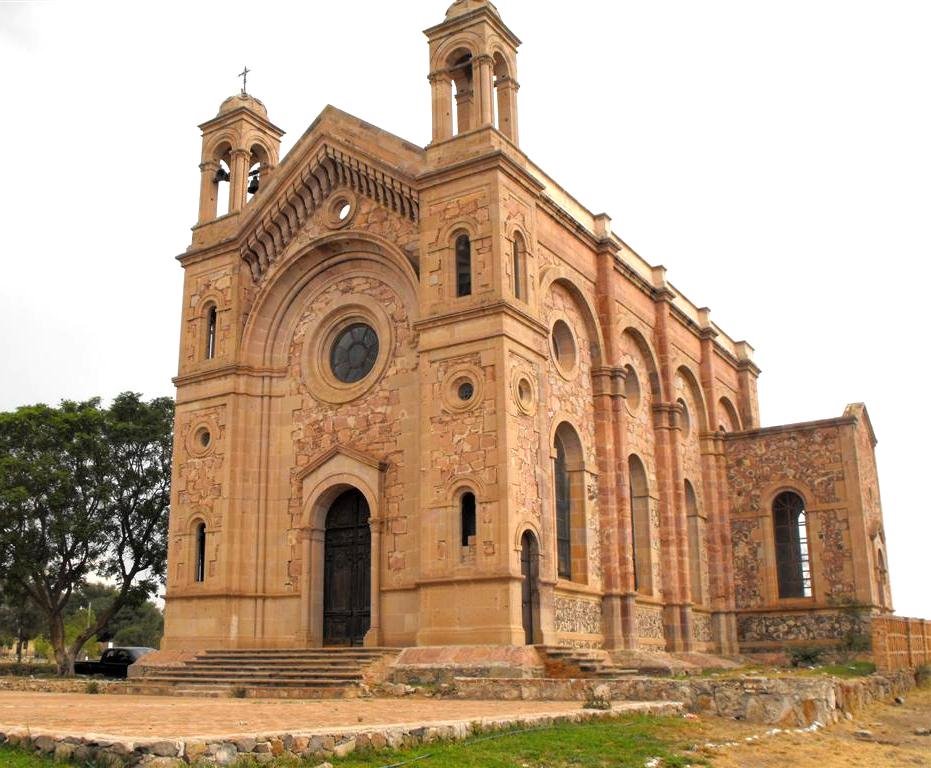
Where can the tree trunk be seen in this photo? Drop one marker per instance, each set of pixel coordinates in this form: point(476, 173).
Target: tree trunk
point(63, 658)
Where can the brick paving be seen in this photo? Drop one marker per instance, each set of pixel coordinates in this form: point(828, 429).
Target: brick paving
point(148, 717)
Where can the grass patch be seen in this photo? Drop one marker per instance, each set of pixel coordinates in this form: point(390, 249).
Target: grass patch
point(14, 758)
point(849, 670)
point(623, 743)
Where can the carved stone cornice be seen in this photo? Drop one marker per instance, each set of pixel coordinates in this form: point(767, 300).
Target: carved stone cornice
point(331, 169)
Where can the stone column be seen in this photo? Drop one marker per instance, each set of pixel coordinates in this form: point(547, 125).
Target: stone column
point(465, 109)
point(314, 596)
point(484, 85)
point(373, 636)
point(239, 170)
point(507, 107)
point(306, 621)
point(208, 191)
point(602, 384)
point(442, 93)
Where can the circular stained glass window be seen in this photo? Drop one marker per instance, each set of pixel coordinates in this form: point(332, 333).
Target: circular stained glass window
point(354, 353)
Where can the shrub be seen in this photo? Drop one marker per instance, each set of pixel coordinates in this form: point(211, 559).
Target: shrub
point(92, 687)
point(238, 692)
point(923, 676)
point(805, 656)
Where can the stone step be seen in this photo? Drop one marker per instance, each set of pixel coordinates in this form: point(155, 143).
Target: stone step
point(249, 682)
point(200, 674)
point(280, 664)
point(320, 652)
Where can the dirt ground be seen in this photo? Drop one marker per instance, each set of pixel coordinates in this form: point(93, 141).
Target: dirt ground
point(891, 743)
point(138, 717)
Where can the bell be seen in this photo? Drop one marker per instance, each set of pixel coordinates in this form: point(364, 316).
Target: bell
point(253, 185)
point(221, 175)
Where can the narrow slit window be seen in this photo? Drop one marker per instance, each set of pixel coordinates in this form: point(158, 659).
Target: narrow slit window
point(793, 562)
point(200, 555)
point(519, 266)
point(463, 266)
point(563, 514)
point(467, 510)
point(211, 332)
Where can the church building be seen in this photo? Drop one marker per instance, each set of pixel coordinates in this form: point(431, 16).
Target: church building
point(426, 398)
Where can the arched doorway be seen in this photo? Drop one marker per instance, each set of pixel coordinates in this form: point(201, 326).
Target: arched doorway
point(347, 571)
point(530, 579)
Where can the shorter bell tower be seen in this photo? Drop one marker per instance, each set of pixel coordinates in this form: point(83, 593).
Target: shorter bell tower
point(239, 146)
point(473, 62)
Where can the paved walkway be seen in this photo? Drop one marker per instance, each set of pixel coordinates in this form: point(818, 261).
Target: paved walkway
point(157, 717)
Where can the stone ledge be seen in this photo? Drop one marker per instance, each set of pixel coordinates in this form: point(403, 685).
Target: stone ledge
point(318, 744)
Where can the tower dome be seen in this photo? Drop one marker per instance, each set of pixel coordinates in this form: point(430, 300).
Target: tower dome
point(462, 7)
point(243, 100)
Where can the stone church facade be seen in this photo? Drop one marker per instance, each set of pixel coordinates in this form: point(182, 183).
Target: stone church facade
point(425, 397)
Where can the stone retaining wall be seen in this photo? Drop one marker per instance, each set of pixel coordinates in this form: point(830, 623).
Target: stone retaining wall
point(783, 701)
point(60, 685)
point(316, 745)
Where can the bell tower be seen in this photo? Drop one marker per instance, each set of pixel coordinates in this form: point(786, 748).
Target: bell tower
point(473, 72)
point(239, 146)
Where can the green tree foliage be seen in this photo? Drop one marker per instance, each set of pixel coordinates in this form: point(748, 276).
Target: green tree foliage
point(84, 490)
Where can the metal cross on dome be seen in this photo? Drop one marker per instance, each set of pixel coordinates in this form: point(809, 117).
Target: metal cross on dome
point(243, 75)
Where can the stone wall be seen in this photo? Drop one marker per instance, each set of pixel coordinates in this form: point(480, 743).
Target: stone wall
point(763, 631)
point(783, 701)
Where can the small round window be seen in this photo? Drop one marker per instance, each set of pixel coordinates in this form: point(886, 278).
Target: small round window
point(354, 352)
point(466, 391)
point(563, 346)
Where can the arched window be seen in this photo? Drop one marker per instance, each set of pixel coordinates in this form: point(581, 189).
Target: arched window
point(569, 489)
point(467, 519)
point(519, 267)
point(200, 552)
point(640, 525)
point(463, 266)
point(790, 529)
point(211, 350)
point(563, 513)
point(696, 532)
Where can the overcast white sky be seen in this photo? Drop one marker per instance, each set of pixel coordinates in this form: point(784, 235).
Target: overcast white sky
point(775, 156)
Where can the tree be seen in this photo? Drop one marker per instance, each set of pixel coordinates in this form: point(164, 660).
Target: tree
point(84, 490)
point(20, 620)
point(135, 623)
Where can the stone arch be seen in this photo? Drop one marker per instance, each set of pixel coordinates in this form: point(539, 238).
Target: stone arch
point(646, 351)
point(694, 389)
point(564, 277)
point(323, 482)
point(731, 420)
point(220, 147)
point(278, 306)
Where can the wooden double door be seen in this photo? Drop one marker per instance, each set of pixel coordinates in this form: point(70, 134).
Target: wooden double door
point(347, 582)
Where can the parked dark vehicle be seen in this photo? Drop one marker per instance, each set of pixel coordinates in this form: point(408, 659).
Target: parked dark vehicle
point(113, 663)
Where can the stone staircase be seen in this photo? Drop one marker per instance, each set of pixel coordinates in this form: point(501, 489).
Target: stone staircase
point(565, 663)
point(318, 673)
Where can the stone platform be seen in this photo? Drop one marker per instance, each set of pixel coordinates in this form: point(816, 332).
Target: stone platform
point(166, 730)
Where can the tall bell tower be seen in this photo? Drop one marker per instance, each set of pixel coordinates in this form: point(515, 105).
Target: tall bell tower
point(239, 146)
point(473, 72)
